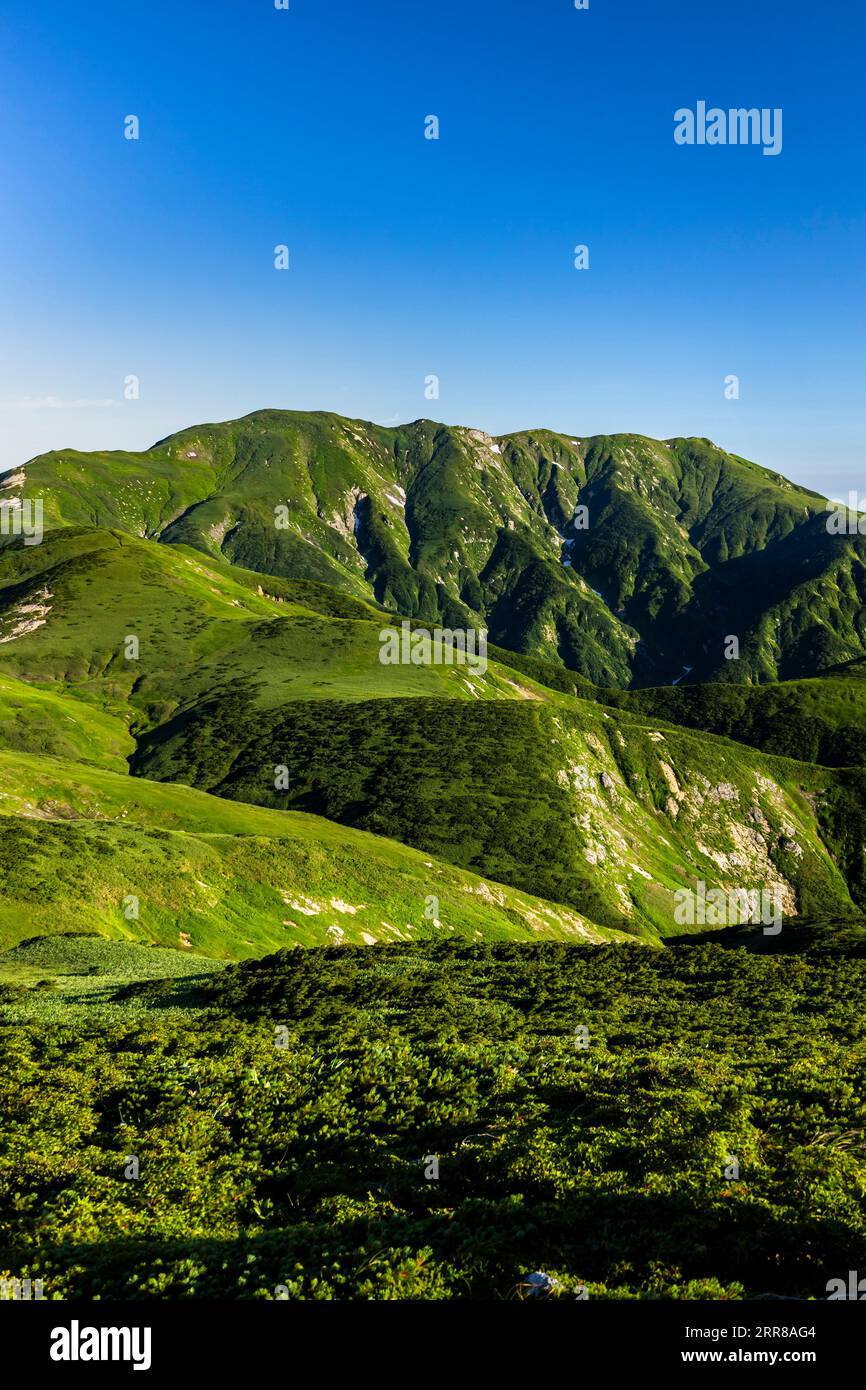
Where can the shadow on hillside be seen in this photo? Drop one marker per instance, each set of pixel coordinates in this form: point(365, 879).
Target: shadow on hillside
point(845, 935)
point(636, 1241)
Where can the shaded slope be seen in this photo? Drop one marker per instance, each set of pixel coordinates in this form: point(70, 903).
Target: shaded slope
point(600, 811)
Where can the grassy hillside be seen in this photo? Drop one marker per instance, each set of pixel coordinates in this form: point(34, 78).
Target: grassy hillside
point(606, 812)
point(225, 879)
point(198, 625)
point(78, 976)
point(496, 773)
point(48, 719)
point(821, 720)
point(236, 676)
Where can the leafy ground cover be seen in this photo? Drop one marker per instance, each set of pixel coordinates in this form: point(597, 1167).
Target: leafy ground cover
point(683, 1122)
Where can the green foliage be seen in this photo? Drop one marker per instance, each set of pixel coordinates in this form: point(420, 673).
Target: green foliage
point(817, 721)
point(496, 787)
point(224, 878)
point(686, 543)
point(302, 1167)
point(708, 1142)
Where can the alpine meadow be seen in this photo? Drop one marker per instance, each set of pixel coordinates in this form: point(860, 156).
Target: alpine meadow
point(330, 976)
point(432, 687)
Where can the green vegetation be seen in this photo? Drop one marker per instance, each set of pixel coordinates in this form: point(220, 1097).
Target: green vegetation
point(53, 977)
point(225, 879)
point(200, 625)
point(299, 1170)
point(503, 773)
point(818, 721)
point(685, 543)
point(612, 816)
point(205, 767)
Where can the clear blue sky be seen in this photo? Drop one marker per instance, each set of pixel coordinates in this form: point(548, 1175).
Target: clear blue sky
point(412, 257)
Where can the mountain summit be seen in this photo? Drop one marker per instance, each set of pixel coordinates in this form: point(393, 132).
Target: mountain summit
point(630, 560)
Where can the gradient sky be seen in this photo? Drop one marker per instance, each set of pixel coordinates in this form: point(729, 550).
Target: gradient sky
point(411, 257)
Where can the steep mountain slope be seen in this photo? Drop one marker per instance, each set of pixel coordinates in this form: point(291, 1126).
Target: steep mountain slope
point(603, 811)
point(261, 690)
point(212, 613)
point(682, 546)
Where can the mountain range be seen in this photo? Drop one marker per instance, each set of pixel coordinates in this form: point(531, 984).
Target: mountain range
point(203, 749)
point(683, 544)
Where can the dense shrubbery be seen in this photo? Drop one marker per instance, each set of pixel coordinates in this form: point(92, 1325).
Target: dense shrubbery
point(794, 720)
point(488, 786)
point(303, 1166)
point(468, 782)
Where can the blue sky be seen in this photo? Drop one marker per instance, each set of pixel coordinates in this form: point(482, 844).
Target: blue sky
point(453, 257)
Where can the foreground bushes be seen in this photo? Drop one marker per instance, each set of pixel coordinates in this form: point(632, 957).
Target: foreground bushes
point(680, 1123)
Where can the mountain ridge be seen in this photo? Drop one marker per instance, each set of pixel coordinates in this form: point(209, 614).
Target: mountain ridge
point(450, 524)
